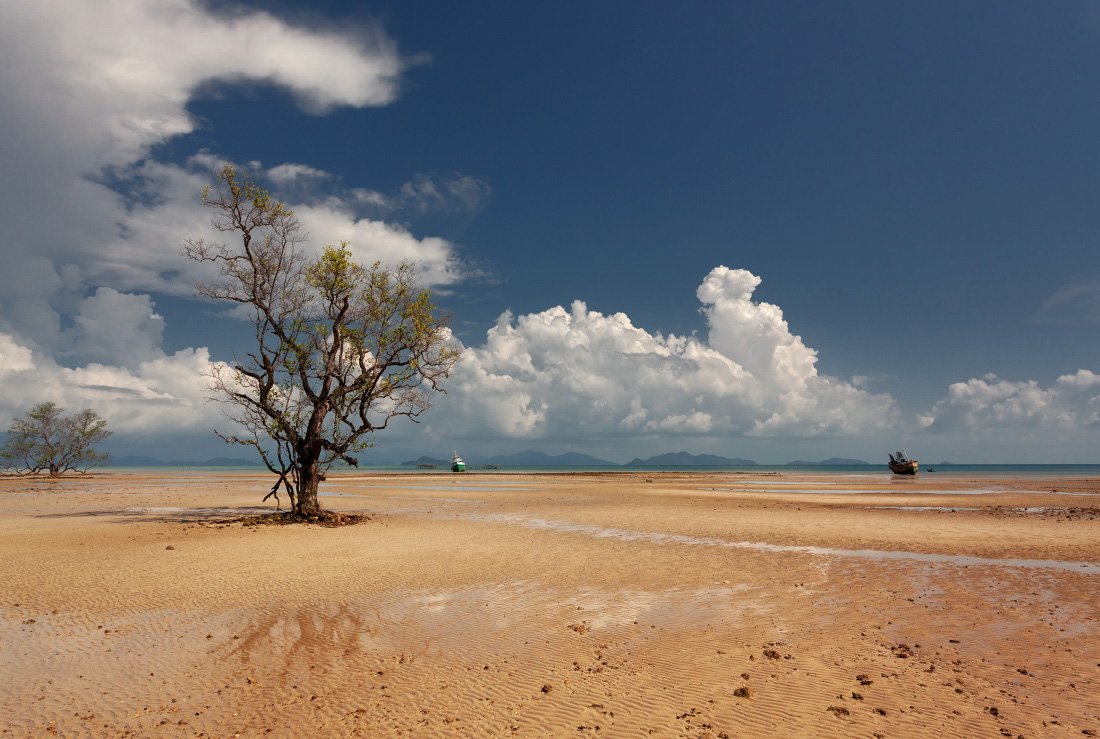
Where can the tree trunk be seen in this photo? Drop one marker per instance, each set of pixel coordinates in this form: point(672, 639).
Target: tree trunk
point(55, 471)
point(309, 477)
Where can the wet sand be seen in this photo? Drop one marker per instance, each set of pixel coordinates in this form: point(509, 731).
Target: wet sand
point(612, 605)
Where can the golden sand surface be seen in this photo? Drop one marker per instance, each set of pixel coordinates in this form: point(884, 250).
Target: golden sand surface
point(610, 605)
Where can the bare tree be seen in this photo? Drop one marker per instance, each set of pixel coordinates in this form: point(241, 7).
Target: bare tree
point(341, 349)
point(45, 439)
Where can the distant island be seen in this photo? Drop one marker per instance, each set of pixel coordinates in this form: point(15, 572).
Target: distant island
point(140, 461)
point(534, 458)
point(683, 459)
point(529, 458)
point(426, 460)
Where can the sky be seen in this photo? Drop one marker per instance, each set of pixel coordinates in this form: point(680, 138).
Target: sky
point(774, 231)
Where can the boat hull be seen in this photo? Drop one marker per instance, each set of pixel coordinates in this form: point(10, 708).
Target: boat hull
point(905, 468)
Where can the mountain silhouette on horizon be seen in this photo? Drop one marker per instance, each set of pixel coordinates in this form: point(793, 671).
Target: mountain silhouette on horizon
point(425, 459)
point(832, 460)
point(137, 460)
point(533, 458)
point(528, 458)
point(683, 459)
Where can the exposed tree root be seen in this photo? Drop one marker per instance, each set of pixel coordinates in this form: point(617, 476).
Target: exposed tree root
point(329, 519)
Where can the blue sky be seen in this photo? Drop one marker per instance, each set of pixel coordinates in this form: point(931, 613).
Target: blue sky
point(914, 185)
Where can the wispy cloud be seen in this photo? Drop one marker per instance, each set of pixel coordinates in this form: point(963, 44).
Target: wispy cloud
point(454, 194)
point(1076, 304)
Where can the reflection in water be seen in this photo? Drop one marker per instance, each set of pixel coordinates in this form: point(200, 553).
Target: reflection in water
point(306, 633)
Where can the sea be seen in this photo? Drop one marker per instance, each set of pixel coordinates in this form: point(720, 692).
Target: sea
point(948, 470)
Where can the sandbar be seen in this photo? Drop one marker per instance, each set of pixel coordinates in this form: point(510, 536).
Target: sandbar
point(672, 604)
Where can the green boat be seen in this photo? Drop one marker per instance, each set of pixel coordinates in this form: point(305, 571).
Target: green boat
point(457, 465)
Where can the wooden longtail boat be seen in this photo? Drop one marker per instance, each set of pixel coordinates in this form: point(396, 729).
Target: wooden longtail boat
point(902, 465)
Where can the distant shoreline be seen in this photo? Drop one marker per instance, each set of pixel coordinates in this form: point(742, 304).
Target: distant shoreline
point(952, 470)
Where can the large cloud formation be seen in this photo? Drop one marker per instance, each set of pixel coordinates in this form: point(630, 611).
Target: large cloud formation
point(328, 215)
point(162, 394)
point(989, 403)
point(559, 375)
point(94, 221)
point(578, 374)
point(90, 89)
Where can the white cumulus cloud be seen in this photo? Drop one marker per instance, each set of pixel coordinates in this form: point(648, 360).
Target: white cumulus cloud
point(578, 374)
point(989, 403)
point(165, 394)
point(88, 90)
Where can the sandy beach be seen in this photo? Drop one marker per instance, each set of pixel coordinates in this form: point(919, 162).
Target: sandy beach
point(612, 605)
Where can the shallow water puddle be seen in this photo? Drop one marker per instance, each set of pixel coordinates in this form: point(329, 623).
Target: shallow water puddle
point(128, 483)
point(939, 509)
point(957, 509)
point(480, 616)
point(782, 482)
point(976, 491)
point(603, 532)
point(464, 487)
point(402, 497)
